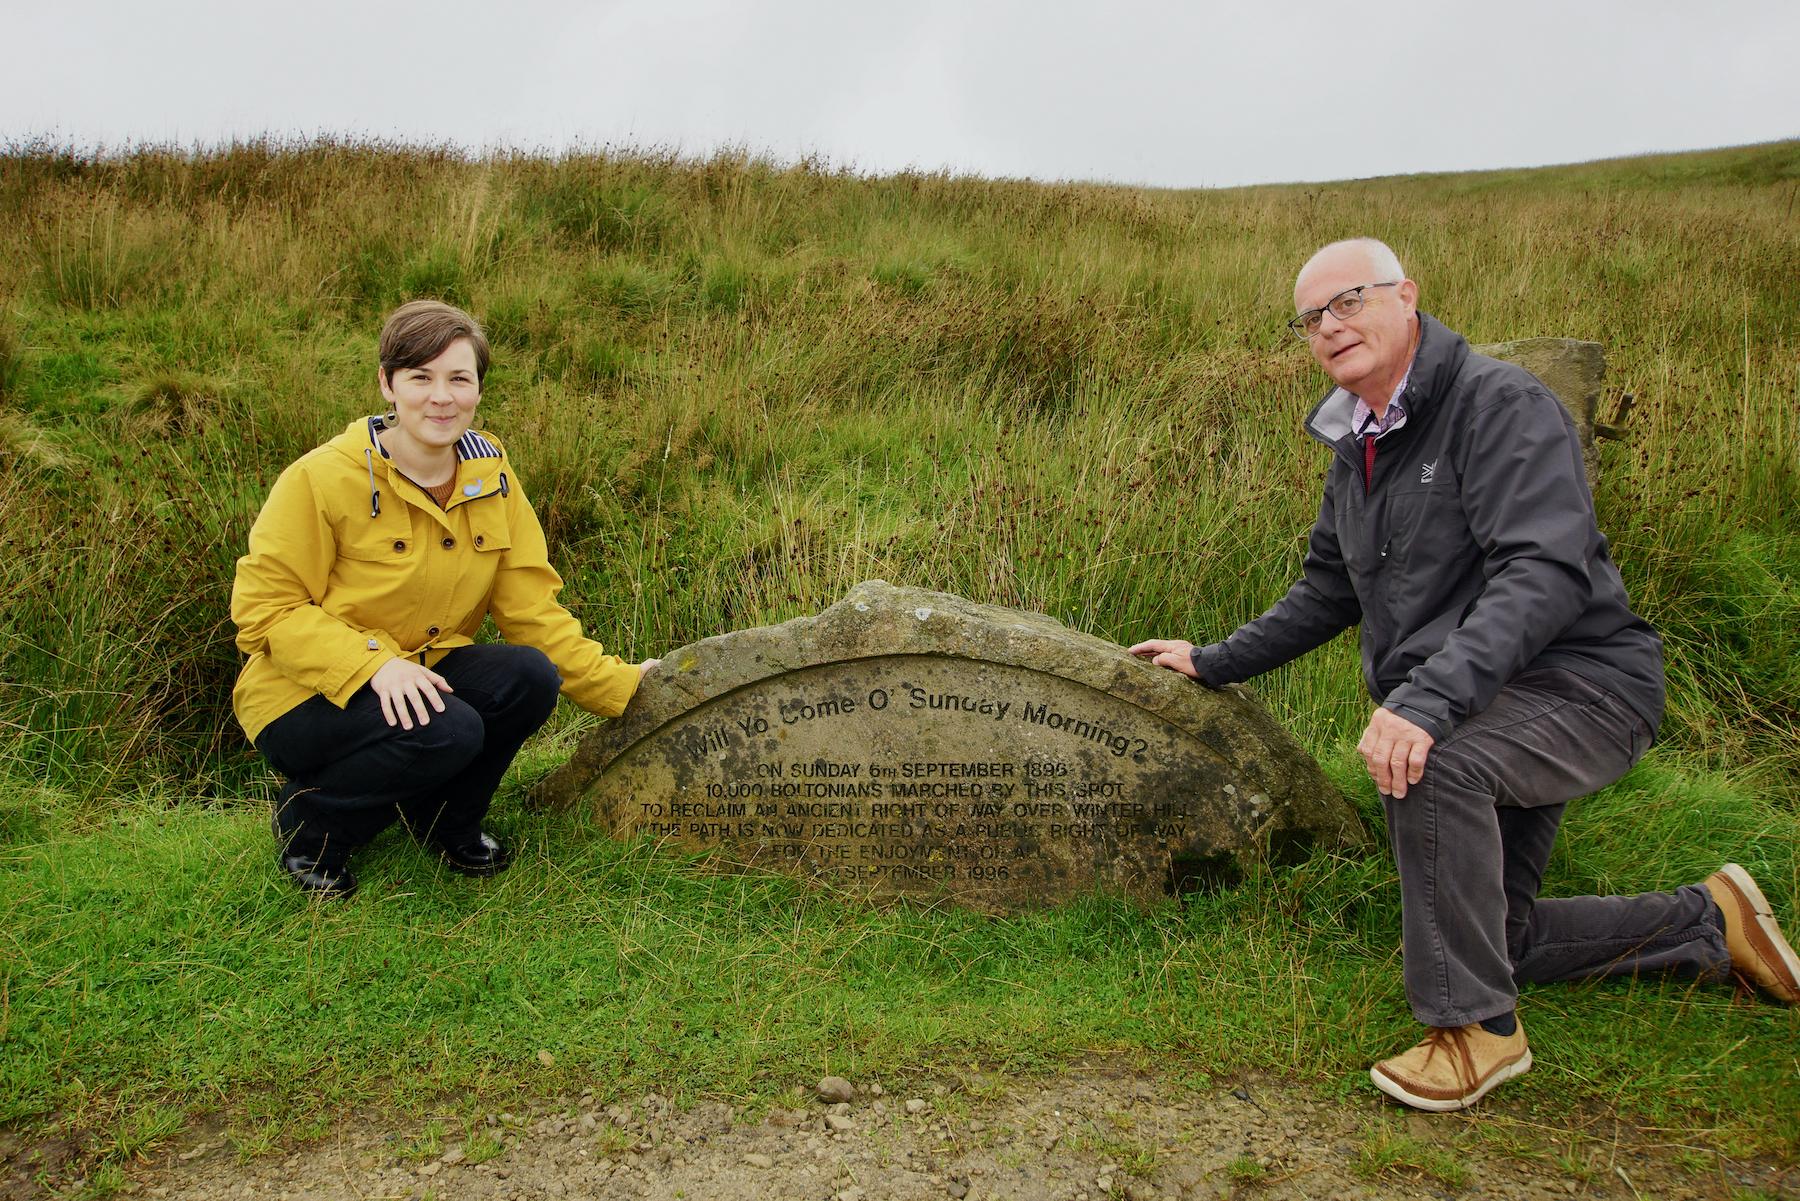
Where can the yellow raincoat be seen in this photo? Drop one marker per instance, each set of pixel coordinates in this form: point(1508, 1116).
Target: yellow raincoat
point(351, 564)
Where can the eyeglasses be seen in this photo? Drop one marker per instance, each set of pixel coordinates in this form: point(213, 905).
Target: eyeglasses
point(1347, 303)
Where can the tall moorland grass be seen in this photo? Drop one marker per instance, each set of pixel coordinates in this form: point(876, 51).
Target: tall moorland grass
point(738, 389)
point(734, 390)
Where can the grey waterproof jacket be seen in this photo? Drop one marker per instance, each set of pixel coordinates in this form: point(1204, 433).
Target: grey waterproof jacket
point(1471, 556)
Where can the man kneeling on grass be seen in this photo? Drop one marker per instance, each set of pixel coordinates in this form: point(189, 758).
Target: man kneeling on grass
point(1510, 674)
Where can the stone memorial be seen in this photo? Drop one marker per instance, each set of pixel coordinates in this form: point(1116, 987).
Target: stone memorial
point(910, 742)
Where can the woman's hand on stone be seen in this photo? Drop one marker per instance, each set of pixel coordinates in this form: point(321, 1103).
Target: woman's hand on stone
point(645, 666)
point(404, 685)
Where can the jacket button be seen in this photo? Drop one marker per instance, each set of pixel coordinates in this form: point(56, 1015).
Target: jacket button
point(449, 542)
point(478, 541)
point(400, 544)
point(432, 632)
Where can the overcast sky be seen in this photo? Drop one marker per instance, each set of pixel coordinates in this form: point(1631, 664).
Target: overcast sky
point(1169, 93)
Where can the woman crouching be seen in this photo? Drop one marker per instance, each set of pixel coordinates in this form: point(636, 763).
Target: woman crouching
point(371, 567)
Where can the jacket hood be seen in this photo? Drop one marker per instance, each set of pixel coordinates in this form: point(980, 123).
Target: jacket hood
point(1435, 364)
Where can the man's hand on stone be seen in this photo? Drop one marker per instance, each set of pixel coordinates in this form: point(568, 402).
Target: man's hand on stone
point(1171, 653)
point(1395, 751)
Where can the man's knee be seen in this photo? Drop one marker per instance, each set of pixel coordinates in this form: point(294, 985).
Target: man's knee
point(1456, 769)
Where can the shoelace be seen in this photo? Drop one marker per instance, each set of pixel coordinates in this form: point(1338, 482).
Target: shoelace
point(1455, 1043)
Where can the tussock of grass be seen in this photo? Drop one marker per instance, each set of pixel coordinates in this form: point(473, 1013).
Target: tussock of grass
point(1384, 1153)
point(734, 391)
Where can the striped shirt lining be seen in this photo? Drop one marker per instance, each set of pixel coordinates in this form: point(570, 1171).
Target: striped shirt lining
point(470, 446)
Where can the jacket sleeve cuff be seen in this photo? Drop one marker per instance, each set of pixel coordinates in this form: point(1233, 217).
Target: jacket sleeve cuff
point(1212, 664)
point(1437, 727)
point(351, 672)
point(606, 692)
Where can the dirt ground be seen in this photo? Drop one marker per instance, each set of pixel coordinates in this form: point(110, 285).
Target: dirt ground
point(1086, 1134)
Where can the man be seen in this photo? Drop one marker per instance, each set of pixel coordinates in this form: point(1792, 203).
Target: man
point(1509, 672)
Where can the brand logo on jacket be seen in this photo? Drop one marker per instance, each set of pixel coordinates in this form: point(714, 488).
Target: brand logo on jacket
point(1427, 472)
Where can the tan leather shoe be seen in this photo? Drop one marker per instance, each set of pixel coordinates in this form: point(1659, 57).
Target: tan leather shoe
point(1760, 955)
point(1453, 1068)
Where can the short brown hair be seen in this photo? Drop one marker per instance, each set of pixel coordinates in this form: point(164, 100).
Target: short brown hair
point(421, 330)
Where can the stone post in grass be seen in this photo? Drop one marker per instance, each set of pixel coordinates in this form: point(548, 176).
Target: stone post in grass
point(1572, 370)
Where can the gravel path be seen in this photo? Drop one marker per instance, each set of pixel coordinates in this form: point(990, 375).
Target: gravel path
point(1086, 1134)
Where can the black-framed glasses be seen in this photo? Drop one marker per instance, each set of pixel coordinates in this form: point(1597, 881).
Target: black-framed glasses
point(1347, 303)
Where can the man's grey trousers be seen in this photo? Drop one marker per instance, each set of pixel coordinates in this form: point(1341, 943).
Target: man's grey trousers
point(1472, 838)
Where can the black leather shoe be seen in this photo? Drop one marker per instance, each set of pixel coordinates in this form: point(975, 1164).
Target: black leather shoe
point(481, 855)
point(325, 881)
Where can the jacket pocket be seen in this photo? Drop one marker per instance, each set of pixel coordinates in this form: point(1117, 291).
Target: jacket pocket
point(377, 542)
point(1427, 529)
point(489, 532)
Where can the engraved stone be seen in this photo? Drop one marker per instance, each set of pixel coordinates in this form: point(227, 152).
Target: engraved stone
point(916, 743)
point(1572, 370)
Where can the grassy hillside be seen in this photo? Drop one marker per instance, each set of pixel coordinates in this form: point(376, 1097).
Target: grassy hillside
point(735, 390)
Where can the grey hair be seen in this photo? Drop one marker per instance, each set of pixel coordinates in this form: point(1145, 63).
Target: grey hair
point(1383, 262)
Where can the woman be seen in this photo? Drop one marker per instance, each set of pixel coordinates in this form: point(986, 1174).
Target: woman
point(371, 567)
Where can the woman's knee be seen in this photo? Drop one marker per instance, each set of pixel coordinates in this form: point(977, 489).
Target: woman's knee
point(531, 685)
point(513, 688)
point(540, 678)
point(398, 760)
point(444, 744)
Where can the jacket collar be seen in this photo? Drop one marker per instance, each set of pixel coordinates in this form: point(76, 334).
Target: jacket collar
point(470, 446)
point(359, 436)
point(1435, 364)
point(478, 465)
